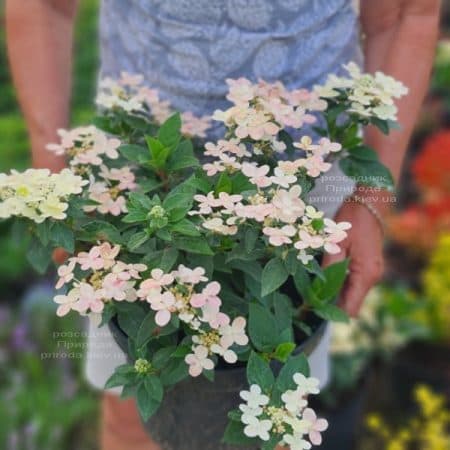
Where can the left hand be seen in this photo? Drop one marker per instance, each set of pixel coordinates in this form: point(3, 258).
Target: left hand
point(364, 247)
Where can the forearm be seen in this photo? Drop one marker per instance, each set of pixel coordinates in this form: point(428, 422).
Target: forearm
point(401, 43)
point(39, 40)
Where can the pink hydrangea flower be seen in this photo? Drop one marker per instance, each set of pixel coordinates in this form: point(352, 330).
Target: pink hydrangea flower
point(234, 333)
point(66, 302)
point(199, 361)
point(65, 273)
point(193, 126)
point(289, 206)
point(257, 175)
point(91, 260)
point(116, 288)
point(164, 305)
point(337, 231)
point(89, 299)
point(240, 90)
point(209, 294)
point(282, 179)
point(315, 426)
point(315, 165)
point(190, 276)
point(308, 240)
point(280, 236)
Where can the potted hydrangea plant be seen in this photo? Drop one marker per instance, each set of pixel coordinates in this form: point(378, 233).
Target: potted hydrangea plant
point(205, 262)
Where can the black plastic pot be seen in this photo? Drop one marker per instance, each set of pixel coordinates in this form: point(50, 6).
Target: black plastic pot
point(193, 414)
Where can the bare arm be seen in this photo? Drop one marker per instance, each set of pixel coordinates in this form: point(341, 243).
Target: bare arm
point(400, 40)
point(39, 39)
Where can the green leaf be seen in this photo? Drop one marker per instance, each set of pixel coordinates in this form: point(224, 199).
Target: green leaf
point(169, 132)
point(108, 313)
point(63, 236)
point(254, 270)
point(314, 268)
point(284, 314)
point(43, 231)
point(234, 435)
point(99, 230)
point(190, 244)
point(273, 276)
point(174, 372)
point(382, 125)
point(146, 329)
point(162, 356)
point(39, 256)
point(130, 317)
point(284, 350)
point(185, 227)
point(262, 328)
point(178, 200)
point(123, 375)
point(363, 153)
point(154, 387)
point(224, 184)
point(291, 262)
point(259, 372)
point(328, 311)
point(168, 259)
point(140, 201)
point(149, 184)
point(137, 239)
point(369, 173)
point(146, 403)
point(250, 238)
point(295, 364)
point(158, 151)
point(240, 183)
point(335, 275)
point(164, 235)
point(181, 351)
point(182, 157)
point(135, 153)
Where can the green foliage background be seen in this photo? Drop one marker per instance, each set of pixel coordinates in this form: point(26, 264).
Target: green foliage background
point(14, 145)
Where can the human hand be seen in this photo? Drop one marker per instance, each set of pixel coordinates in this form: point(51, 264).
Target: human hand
point(364, 247)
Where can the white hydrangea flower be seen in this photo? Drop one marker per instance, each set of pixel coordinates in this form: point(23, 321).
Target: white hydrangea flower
point(309, 385)
point(254, 397)
point(258, 428)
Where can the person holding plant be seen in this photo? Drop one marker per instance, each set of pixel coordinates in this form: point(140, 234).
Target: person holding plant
point(187, 50)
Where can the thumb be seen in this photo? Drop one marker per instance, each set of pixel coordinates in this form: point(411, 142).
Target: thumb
point(353, 294)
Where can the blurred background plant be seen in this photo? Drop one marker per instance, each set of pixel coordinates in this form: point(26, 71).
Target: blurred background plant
point(427, 430)
point(401, 339)
point(44, 402)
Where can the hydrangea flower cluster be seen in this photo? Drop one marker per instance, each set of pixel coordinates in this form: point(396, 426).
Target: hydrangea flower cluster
point(261, 110)
point(293, 420)
point(107, 190)
point(85, 147)
point(369, 95)
point(178, 293)
point(38, 194)
point(103, 279)
point(88, 150)
point(129, 94)
point(277, 208)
